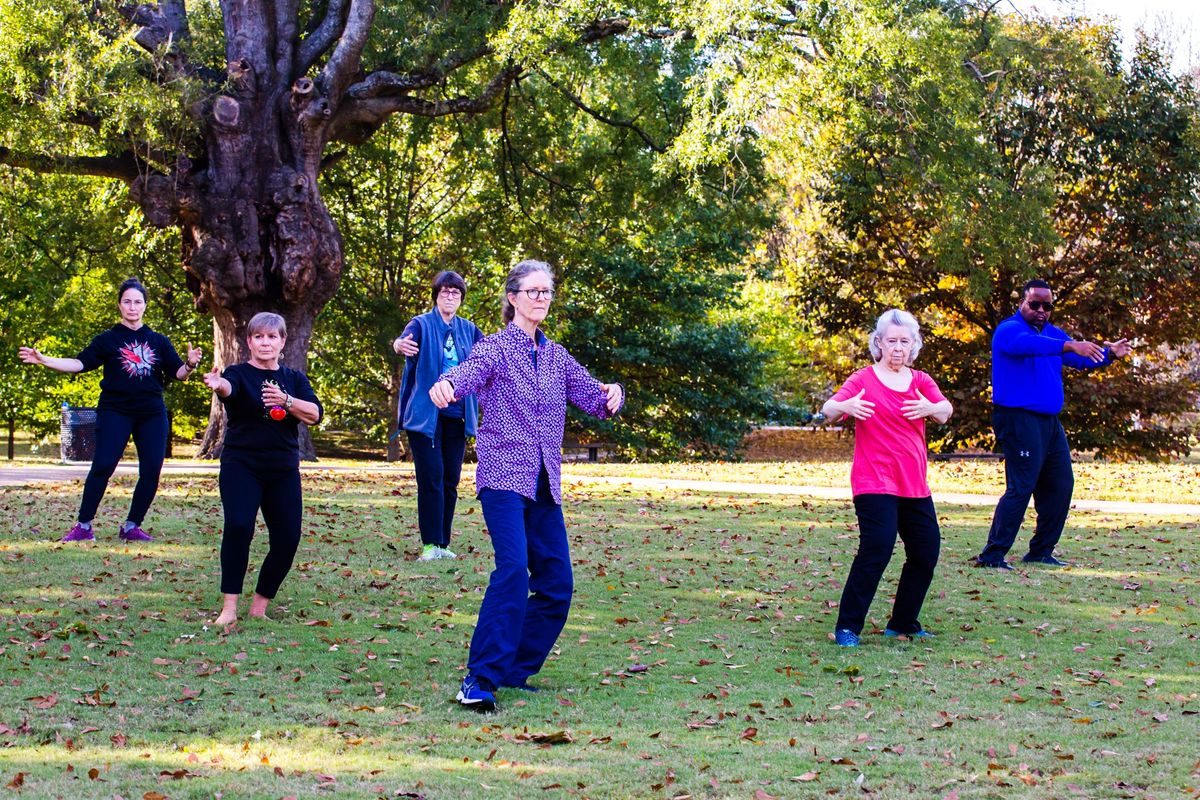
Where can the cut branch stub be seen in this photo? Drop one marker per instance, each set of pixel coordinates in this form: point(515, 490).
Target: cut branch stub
point(241, 75)
point(226, 111)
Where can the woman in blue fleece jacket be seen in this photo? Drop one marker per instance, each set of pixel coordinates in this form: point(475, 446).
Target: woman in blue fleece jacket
point(433, 343)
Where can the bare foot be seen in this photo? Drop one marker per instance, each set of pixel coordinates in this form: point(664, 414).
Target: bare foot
point(258, 606)
point(226, 618)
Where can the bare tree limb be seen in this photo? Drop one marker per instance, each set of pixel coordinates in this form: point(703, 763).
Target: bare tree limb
point(607, 120)
point(346, 57)
point(164, 26)
point(322, 38)
point(123, 167)
point(381, 83)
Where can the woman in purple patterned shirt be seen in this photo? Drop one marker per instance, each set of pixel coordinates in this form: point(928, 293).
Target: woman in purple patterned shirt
point(523, 382)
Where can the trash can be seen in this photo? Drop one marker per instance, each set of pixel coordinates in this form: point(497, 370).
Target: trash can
point(77, 433)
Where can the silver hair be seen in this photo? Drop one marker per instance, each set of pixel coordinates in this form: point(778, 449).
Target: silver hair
point(266, 321)
point(513, 282)
point(895, 316)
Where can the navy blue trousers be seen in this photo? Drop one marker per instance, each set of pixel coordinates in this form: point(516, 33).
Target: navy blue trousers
point(880, 518)
point(113, 430)
point(529, 592)
point(437, 462)
point(244, 490)
point(1037, 464)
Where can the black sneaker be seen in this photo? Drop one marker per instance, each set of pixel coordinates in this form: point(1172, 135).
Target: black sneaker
point(1049, 561)
point(471, 695)
point(1001, 564)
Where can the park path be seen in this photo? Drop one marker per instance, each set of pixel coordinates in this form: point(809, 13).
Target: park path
point(20, 476)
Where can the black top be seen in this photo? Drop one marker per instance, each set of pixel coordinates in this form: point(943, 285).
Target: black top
point(137, 364)
point(252, 436)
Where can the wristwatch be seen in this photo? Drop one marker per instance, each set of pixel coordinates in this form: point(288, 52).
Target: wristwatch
point(288, 403)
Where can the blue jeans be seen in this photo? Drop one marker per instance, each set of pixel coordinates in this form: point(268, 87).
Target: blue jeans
point(880, 518)
point(1037, 464)
point(113, 430)
point(437, 463)
point(529, 593)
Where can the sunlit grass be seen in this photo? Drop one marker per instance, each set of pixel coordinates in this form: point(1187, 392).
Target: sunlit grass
point(697, 659)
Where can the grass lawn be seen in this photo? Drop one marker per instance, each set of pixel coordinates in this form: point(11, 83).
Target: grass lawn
point(696, 663)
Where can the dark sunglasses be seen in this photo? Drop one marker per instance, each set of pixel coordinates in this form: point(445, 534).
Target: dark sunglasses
point(1040, 305)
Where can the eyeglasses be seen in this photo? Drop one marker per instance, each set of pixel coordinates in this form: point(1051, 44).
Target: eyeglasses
point(537, 294)
point(1040, 305)
point(451, 293)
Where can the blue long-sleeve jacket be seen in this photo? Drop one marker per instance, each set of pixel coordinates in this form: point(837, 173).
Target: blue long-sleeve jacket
point(416, 411)
point(1027, 365)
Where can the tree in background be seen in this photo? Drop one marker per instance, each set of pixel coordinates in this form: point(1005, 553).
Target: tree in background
point(952, 154)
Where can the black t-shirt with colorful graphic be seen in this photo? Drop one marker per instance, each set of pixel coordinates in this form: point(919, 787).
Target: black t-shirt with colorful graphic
point(252, 437)
point(137, 365)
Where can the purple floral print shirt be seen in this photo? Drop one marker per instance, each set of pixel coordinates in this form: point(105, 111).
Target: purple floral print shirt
point(524, 407)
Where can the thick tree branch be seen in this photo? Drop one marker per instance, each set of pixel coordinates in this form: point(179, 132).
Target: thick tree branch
point(379, 84)
point(164, 26)
point(607, 120)
point(123, 167)
point(357, 119)
point(344, 62)
point(322, 38)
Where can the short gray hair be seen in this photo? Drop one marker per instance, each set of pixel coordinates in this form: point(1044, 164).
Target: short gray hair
point(512, 284)
point(266, 321)
point(895, 316)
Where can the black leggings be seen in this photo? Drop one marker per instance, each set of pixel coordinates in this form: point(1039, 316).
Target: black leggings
point(880, 518)
point(113, 430)
point(244, 490)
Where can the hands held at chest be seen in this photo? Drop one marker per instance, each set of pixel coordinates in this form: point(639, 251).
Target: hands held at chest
point(857, 407)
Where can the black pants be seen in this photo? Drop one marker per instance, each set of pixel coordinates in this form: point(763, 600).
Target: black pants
point(113, 430)
point(244, 490)
point(880, 518)
point(1037, 463)
point(438, 464)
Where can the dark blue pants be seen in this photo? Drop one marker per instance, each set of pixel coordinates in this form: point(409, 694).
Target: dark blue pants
point(113, 430)
point(880, 518)
point(244, 490)
point(529, 593)
point(437, 462)
point(1037, 463)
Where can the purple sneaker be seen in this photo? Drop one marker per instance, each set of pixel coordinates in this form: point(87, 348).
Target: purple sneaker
point(78, 534)
point(135, 534)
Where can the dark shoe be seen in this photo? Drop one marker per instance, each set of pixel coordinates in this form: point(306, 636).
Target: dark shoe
point(78, 534)
point(135, 534)
point(471, 695)
point(1049, 561)
point(921, 634)
point(523, 686)
point(845, 637)
point(994, 564)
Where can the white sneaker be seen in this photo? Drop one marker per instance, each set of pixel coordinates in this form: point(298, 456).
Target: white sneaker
point(446, 552)
point(430, 552)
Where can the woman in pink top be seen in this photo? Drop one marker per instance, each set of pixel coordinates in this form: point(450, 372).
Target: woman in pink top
point(890, 401)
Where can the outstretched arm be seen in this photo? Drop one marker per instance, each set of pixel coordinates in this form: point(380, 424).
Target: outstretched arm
point(30, 355)
point(190, 362)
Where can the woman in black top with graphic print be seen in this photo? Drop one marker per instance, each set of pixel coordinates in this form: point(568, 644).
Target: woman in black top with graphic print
point(137, 363)
point(260, 461)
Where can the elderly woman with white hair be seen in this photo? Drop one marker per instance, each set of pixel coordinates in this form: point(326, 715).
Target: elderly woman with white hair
point(890, 401)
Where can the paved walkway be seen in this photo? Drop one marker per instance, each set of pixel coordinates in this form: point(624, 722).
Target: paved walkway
point(20, 476)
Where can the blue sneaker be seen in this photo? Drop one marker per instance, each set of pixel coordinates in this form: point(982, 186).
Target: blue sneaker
point(921, 634)
point(1049, 561)
point(845, 637)
point(473, 696)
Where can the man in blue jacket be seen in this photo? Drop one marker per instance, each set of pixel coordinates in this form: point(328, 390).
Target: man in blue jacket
point(1028, 354)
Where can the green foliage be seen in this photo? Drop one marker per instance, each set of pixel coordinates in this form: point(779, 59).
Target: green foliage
point(952, 156)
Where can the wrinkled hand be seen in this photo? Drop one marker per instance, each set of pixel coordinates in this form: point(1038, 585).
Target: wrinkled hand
point(442, 394)
point(406, 346)
point(857, 407)
point(194, 354)
point(1119, 348)
point(212, 379)
point(615, 396)
point(1089, 350)
point(272, 395)
point(30, 355)
point(916, 409)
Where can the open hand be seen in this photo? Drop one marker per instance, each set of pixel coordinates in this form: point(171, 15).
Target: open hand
point(406, 346)
point(1089, 350)
point(916, 409)
point(1119, 348)
point(194, 354)
point(30, 355)
point(212, 379)
point(615, 396)
point(857, 407)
